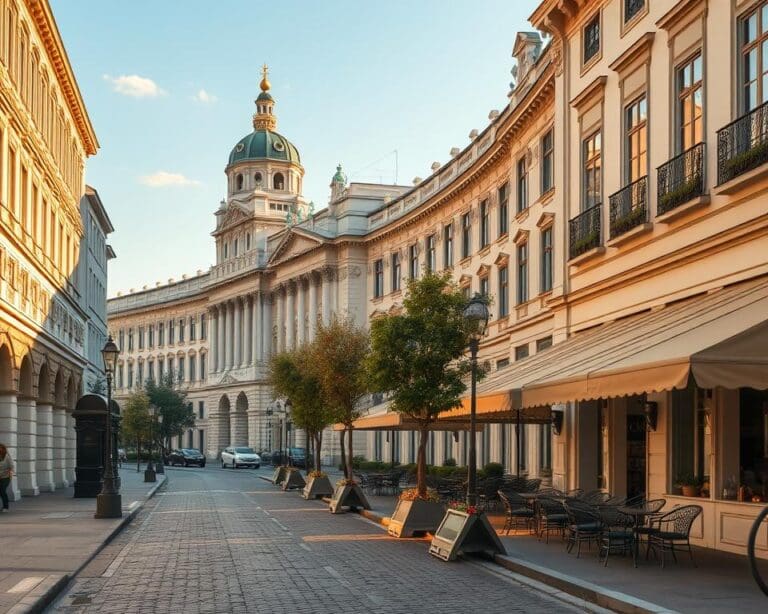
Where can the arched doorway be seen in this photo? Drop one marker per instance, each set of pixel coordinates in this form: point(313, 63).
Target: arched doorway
point(239, 426)
point(223, 423)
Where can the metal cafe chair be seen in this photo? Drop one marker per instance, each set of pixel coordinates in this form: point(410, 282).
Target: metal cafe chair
point(584, 524)
point(672, 531)
point(616, 533)
point(516, 510)
point(551, 517)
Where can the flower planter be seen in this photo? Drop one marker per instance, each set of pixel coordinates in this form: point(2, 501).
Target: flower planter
point(279, 475)
point(317, 488)
point(462, 533)
point(293, 479)
point(691, 491)
point(417, 516)
point(348, 495)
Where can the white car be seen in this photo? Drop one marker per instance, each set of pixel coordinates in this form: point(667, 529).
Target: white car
point(236, 456)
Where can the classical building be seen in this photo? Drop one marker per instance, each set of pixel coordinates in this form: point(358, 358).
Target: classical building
point(45, 138)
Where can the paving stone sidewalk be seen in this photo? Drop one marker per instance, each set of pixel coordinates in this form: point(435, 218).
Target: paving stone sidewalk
point(45, 539)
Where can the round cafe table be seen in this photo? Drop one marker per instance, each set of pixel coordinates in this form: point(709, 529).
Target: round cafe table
point(638, 513)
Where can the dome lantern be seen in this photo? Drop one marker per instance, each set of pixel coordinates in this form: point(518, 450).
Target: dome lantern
point(264, 118)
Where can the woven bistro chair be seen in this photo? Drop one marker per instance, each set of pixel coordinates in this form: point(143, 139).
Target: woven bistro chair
point(672, 531)
point(584, 524)
point(516, 510)
point(616, 534)
point(652, 506)
point(552, 517)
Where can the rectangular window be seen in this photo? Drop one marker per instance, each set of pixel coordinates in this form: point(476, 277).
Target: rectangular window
point(140, 379)
point(503, 195)
point(130, 375)
point(504, 362)
point(636, 126)
point(130, 340)
point(378, 279)
point(141, 337)
point(485, 230)
point(690, 104)
point(503, 292)
point(192, 374)
point(432, 253)
point(592, 177)
point(121, 339)
point(547, 162)
point(161, 369)
point(171, 370)
point(547, 261)
point(691, 441)
point(413, 261)
point(119, 376)
point(150, 369)
point(151, 336)
point(182, 326)
point(484, 286)
point(201, 409)
point(466, 291)
point(754, 58)
point(161, 334)
point(466, 235)
point(632, 8)
point(522, 273)
point(180, 373)
point(522, 185)
point(543, 343)
point(203, 372)
point(397, 274)
point(448, 246)
point(591, 36)
point(521, 351)
point(192, 328)
point(171, 332)
point(203, 327)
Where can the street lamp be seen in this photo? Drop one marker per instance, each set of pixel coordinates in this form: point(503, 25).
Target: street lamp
point(288, 407)
point(109, 502)
point(269, 431)
point(476, 314)
point(149, 472)
point(159, 467)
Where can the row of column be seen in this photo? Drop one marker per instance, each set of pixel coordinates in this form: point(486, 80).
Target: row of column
point(237, 332)
point(41, 440)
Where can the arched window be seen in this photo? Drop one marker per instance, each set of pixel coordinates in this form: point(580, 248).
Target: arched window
point(225, 251)
point(239, 181)
point(235, 248)
point(248, 241)
point(278, 182)
point(258, 178)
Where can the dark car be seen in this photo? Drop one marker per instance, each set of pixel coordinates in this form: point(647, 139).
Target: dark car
point(276, 458)
point(297, 457)
point(186, 457)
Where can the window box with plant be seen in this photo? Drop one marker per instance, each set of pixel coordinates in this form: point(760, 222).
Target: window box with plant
point(689, 485)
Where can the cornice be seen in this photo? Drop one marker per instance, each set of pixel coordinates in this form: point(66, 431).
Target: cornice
point(638, 52)
point(593, 90)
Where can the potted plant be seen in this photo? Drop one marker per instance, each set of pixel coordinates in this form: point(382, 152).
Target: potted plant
point(348, 494)
point(318, 486)
point(416, 514)
point(689, 484)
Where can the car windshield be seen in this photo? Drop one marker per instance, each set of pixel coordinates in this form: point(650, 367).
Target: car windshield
point(297, 451)
point(244, 451)
point(188, 451)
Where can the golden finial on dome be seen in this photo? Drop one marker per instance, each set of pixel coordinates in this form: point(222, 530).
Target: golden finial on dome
point(264, 85)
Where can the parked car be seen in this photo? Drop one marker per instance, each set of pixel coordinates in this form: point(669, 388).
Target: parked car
point(297, 457)
point(237, 456)
point(276, 458)
point(186, 457)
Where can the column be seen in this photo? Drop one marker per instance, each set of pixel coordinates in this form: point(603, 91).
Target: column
point(26, 454)
point(237, 351)
point(213, 321)
point(312, 308)
point(290, 316)
point(248, 330)
point(60, 446)
point(45, 452)
point(265, 326)
point(71, 448)
point(279, 320)
point(9, 429)
point(220, 352)
point(327, 276)
point(256, 328)
point(229, 341)
point(301, 312)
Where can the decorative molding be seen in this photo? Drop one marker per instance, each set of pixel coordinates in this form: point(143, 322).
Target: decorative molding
point(592, 91)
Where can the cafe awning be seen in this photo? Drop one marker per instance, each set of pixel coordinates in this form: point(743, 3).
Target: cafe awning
point(393, 421)
point(719, 338)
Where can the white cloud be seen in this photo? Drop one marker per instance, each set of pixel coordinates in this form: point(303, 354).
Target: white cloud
point(164, 179)
point(204, 97)
point(134, 85)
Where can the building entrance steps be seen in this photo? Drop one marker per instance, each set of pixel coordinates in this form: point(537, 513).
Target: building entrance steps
point(45, 540)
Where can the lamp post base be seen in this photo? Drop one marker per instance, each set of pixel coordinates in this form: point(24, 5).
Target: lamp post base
point(109, 506)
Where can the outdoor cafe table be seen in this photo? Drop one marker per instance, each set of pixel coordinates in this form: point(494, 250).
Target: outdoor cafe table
point(638, 513)
point(532, 499)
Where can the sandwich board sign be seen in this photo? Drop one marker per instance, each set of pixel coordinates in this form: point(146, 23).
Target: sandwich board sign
point(462, 533)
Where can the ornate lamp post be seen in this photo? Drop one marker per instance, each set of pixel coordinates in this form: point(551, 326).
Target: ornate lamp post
point(476, 315)
point(288, 407)
point(109, 502)
point(149, 473)
point(159, 467)
point(269, 431)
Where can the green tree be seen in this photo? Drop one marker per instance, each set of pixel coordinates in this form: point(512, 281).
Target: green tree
point(172, 404)
point(135, 421)
point(418, 356)
point(291, 376)
point(338, 359)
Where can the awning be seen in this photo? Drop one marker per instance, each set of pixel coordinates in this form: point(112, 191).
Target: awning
point(720, 338)
point(393, 421)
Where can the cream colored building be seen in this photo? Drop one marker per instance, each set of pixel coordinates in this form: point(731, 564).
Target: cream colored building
point(45, 138)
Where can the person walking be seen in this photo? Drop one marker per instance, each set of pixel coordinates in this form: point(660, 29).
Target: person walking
point(6, 473)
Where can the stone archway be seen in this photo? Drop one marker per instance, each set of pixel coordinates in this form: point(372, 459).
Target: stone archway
point(223, 423)
point(239, 422)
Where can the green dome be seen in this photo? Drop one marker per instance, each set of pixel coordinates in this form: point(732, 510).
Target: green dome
point(264, 144)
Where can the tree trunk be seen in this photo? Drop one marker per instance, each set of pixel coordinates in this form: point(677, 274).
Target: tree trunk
point(421, 463)
point(342, 437)
point(350, 452)
point(138, 455)
point(318, 447)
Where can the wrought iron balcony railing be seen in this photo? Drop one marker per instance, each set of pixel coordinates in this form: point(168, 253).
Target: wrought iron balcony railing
point(681, 179)
point(742, 145)
point(585, 231)
point(629, 207)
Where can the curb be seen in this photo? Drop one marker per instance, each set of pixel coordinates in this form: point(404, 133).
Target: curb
point(47, 591)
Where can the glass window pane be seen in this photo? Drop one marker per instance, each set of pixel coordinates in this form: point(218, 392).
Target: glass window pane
point(750, 67)
point(697, 69)
point(750, 28)
point(764, 19)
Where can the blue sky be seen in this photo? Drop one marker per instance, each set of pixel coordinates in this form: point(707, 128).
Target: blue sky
point(170, 85)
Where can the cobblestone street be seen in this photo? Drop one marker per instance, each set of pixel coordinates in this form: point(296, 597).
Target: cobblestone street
point(223, 541)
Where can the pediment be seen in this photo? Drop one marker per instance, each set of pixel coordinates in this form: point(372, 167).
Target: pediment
point(233, 217)
point(293, 245)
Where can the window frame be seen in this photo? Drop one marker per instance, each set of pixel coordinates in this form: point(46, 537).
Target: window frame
point(522, 184)
point(396, 272)
point(548, 161)
point(466, 235)
point(448, 245)
point(682, 94)
point(503, 291)
point(522, 281)
point(635, 132)
point(502, 194)
point(413, 261)
point(431, 259)
point(378, 278)
point(546, 280)
point(591, 165)
point(485, 226)
point(744, 48)
point(596, 19)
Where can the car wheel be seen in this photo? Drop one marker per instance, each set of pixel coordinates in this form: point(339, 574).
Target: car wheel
point(223, 464)
point(202, 465)
point(234, 465)
point(256, 466)
point(186, 464)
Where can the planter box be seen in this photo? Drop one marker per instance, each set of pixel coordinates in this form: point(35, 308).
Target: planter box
point(462, 533)
point(293, 479)
point(416, 516)
point(348, 495)
point(279, 475)
point(317, 488)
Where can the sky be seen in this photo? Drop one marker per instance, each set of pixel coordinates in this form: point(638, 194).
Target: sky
point(169, 87)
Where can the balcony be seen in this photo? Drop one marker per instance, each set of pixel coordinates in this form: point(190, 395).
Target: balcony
point(629, 208)
point(742, 145)
point(584, 232)
point(681, 180)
